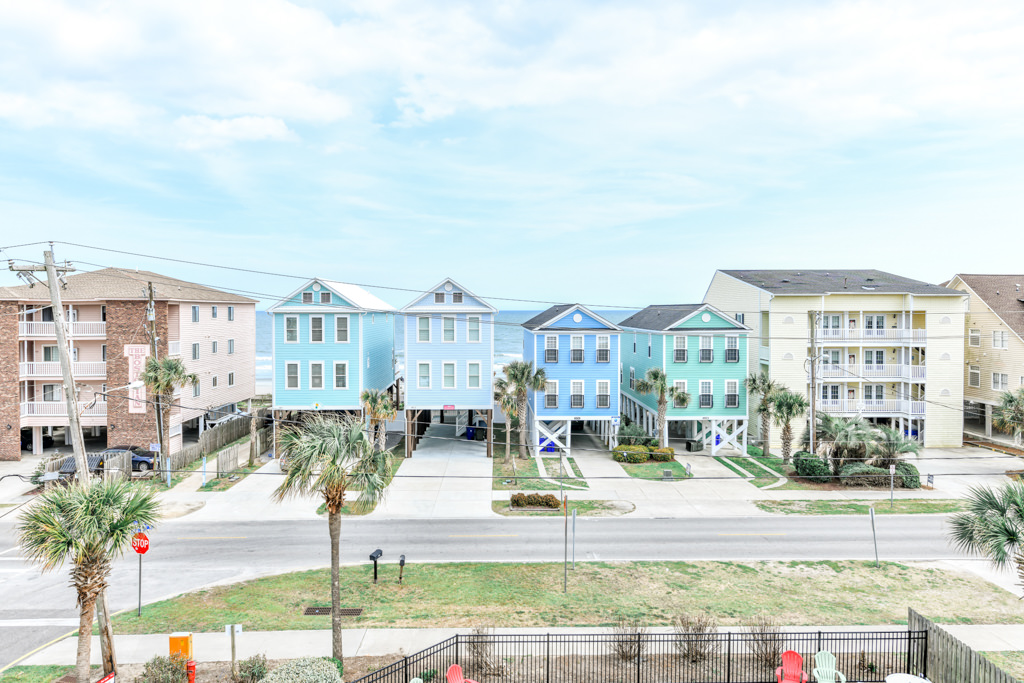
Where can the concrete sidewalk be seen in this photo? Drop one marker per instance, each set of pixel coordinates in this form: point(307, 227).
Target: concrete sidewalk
point(365, 642)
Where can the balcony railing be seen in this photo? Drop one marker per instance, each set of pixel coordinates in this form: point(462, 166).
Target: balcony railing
point(52, 369)
point(857, 372)
point(174, 348)
point(870, 335)
point(59, 408)
point(76, 330)
point(871, 407)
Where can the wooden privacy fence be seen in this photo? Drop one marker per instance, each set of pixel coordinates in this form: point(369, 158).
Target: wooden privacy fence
point(117, 465)
point(229, 458)
point(215, 438)
point(944, 659)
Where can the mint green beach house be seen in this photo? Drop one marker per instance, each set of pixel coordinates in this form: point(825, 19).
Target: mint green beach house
point(703, 352)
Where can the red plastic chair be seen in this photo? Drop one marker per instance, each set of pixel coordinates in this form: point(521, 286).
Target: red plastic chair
point(454, 675)
point(791, 671)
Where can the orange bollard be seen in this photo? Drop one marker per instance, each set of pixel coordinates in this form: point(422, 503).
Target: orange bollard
point(191, 668)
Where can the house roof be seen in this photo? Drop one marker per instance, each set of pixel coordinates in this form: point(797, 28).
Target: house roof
point(556, 312)
point(358, 296)
point(815, 282)
point(484, 306)
point(660, 317)
point(111, 284)
point(1004, 294)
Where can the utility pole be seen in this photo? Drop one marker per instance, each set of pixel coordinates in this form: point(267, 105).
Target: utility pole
point(814, 378)
point(165, 459)
point(63, 350)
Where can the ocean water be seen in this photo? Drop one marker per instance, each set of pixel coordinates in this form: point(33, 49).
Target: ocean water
point(508, 339)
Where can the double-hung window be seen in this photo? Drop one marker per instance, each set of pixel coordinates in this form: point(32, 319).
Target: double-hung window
point(456, 297)
point(974, 337)
point(325, 297)
point(448, 375)
point(448, 328)
point(706, 397)
point(649, 337)
point(51, 392)
point(551, 349)
point(231, 346)
point(213, 311)
point(576, 349)
point(307, 297)
point(195, 351)
point(291, 329)
point(103, 352)
point(341, 375)
point(473, 329)
point(231, 379)
point(196, 390)
point(291, 374)
point(1000, 382)
point(551, 394)
point(473, 375)
point(195, 314)
point(732, 349)
point(213, 382)
point(316, 375)
point(604, 348)
point(732, 394)
point(707, 351)
point(680, 399)
point(576, 397)
point(1000, 339)
point(423, 376)
point(438, 297)
point(316, 329)
point(974, 376)
point(213, 347)
point(741, 318)
point(604, 393)
point(423, 329)
point(231, 313)
point(679, 348)
point(632, 378)
point(341, 329)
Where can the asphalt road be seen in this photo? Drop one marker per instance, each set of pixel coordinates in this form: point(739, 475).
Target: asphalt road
point(184, 556)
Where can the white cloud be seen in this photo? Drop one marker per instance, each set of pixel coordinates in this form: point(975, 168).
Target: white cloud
point(203, 132)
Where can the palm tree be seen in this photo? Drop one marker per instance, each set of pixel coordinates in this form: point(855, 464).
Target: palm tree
point(889, 444)
point(505, 397)
point(655, 381)
point(787, 406)
point(992, 526)
point(841, 440)
point(162, 377)
point(88, 527)
point(1009, 414)
point(523, 379)
point(329, 455)
point(379, 409)
point(761, 387)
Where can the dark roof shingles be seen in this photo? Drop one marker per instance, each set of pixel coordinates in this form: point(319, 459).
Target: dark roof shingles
point(811, 282)
point(1004, 294)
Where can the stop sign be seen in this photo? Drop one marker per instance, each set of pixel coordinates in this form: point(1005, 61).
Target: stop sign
point(140, 543)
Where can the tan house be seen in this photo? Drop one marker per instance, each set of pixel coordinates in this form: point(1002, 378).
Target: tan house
point(993, 342)
point(887, 347)
point(212, 331)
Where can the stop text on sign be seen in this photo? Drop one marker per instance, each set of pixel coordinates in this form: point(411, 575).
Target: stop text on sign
point(140, 543)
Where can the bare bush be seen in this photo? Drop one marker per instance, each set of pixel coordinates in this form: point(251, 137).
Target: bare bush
point(697, 637)
point(766, 640)
point(481, 652)
point(630, 639)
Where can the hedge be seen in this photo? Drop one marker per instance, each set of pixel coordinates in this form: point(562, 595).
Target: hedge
point(635, 457)
point(859, 474)
point(663, 454)
point(535, 500)
point(908, 475)
point(812, 468)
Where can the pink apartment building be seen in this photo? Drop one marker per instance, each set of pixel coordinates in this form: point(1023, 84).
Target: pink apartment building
point(213, 332)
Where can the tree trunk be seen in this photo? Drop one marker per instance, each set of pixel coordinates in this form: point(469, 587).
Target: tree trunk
point(787, 446)
point(334, 525)
point(766, 432)
point(82, 660)
point(108, 655)
point(522, 426)
point(662, 409)
point(382, 434)
point(508, 437)
point(252, 439)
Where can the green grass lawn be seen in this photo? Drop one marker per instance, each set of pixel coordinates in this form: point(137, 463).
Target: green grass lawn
point(761, 478)
point(553, 467)
point(530, 595)
point(1010, 662)
point(40, 674)
point(859, 507)
point(583, 508)
point(654, 470)
point(526, 477)
point(224, 483)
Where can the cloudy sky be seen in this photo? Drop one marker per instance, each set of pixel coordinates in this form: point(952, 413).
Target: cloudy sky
point(605, 152)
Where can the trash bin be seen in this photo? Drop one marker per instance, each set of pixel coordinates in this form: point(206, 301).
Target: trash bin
point(470, 433)
point(718, 439)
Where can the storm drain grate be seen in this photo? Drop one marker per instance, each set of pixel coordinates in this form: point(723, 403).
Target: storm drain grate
point(321, 611)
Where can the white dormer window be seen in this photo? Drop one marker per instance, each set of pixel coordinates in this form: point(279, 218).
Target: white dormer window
point(307, 297)
point(325, 297)
point(456, 297)
point(438, 297)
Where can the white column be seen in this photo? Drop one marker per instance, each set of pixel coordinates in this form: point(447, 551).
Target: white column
point(988, 420)
point(67, 436)
point(37, 441)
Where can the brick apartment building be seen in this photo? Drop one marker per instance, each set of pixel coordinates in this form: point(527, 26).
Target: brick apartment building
point(212, 331)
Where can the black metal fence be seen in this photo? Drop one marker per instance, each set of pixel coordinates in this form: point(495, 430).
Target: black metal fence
point(652, 657)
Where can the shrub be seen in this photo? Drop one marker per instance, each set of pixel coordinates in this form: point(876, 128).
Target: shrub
point(633, 435)
point(663, 454)
point(859, 474)
point(812, 468)
point(535, 500)
point(518, 500)
point(252, 670)
point(338, 664)
point(907, 474)
point(754, 451)
point(428, 675)
point(633, 454)
point(766, 640)
point(629, 642)
point(698, 637)
point(305, 670)
point(164, 670)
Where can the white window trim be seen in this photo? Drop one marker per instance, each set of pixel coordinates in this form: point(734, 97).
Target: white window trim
point(462, 298)
point(455, 375)
point(547, 338)
point(974, 370)
point(583, 394)
point(632, 379)
point(608, 393)
point(231, 313)
point(322, 383)
point(195, 351)
point(231, 379)
point(974, 335)
point(213, 382)
point(334, 375)
point(213, 311)
point(196, 390)
point(348, 328)
point(455, 329)
point(676, 384)
point(608, 347)
point(195, 314)
point(430, 330)
point(710, 347)
point(479, 376)
point(56, 392)
point(213, 346)
point(298, 336)
point(700, 391)
point(325, 294)
point(304, 295)
point(479, 329)
point(231, 346)
point(546, 394)
point(999, 386)
point(298, 376)
point(439, 294)
point(582, 349)
point(323, 332)
point(430, 375)
point(1004, 339)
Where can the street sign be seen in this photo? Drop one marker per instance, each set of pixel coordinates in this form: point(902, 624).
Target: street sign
point(892, 469)
point(140, 543)
point(109, 678)
point(155, 447)
point(615, 422)
point(449, 407)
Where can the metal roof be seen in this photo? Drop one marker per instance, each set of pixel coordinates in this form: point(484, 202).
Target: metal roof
point(816, 282)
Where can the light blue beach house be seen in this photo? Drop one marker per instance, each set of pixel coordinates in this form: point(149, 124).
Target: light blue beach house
point(331, 341)
point(449, 361)
point(702, 352)
point(579, 353)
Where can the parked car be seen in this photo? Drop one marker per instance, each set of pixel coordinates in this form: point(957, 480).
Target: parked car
point(26, 440)
point(142, 460)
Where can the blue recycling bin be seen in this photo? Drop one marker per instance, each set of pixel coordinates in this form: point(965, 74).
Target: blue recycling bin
point(470, 433)
point(718, 439)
